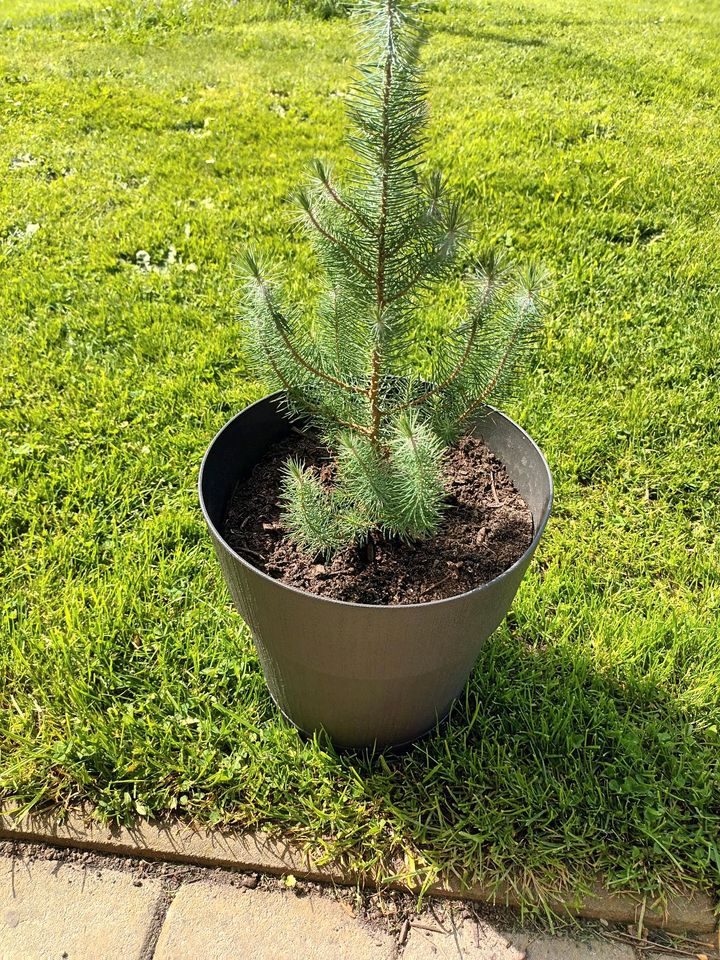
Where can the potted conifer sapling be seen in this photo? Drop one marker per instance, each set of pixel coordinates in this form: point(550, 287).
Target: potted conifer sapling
point(373, 519)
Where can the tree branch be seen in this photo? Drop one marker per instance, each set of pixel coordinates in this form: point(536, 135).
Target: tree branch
point(355, 214)
point(310, 407)
point(338, 243)
point(280, 323)
point(417, 276)
point(457, 370)
point(484, 396)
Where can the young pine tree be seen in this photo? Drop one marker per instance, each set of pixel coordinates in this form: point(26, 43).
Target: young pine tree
point(384, 237)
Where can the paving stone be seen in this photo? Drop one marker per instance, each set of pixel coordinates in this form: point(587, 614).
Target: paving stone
point(707, 950)
point(222, 922)
point(468, 940)
point(539, 947)
point(50, 910)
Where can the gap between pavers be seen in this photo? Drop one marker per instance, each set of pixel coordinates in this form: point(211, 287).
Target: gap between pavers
point(691, 911)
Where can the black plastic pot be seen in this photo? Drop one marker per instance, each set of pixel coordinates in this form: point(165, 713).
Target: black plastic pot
point(368, 675)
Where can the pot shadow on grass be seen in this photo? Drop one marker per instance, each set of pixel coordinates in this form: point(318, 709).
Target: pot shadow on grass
point(546, 764)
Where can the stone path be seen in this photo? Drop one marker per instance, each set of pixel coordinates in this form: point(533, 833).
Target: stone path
point(93, 908)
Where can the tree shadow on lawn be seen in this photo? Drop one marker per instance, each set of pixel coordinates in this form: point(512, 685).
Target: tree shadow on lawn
point(496, 36)
point(552, 771)
point(562, 60)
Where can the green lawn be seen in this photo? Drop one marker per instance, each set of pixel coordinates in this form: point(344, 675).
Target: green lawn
point(586, 134)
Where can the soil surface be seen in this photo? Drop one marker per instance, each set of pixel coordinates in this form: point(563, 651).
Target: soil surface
point(486, 528)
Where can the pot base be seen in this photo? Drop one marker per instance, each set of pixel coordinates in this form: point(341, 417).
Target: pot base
point(389, 748)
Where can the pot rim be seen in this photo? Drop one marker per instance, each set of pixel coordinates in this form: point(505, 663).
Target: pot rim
point(374, 606)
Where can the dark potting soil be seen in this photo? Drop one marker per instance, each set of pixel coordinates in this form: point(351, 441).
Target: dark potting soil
point(487, 526)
